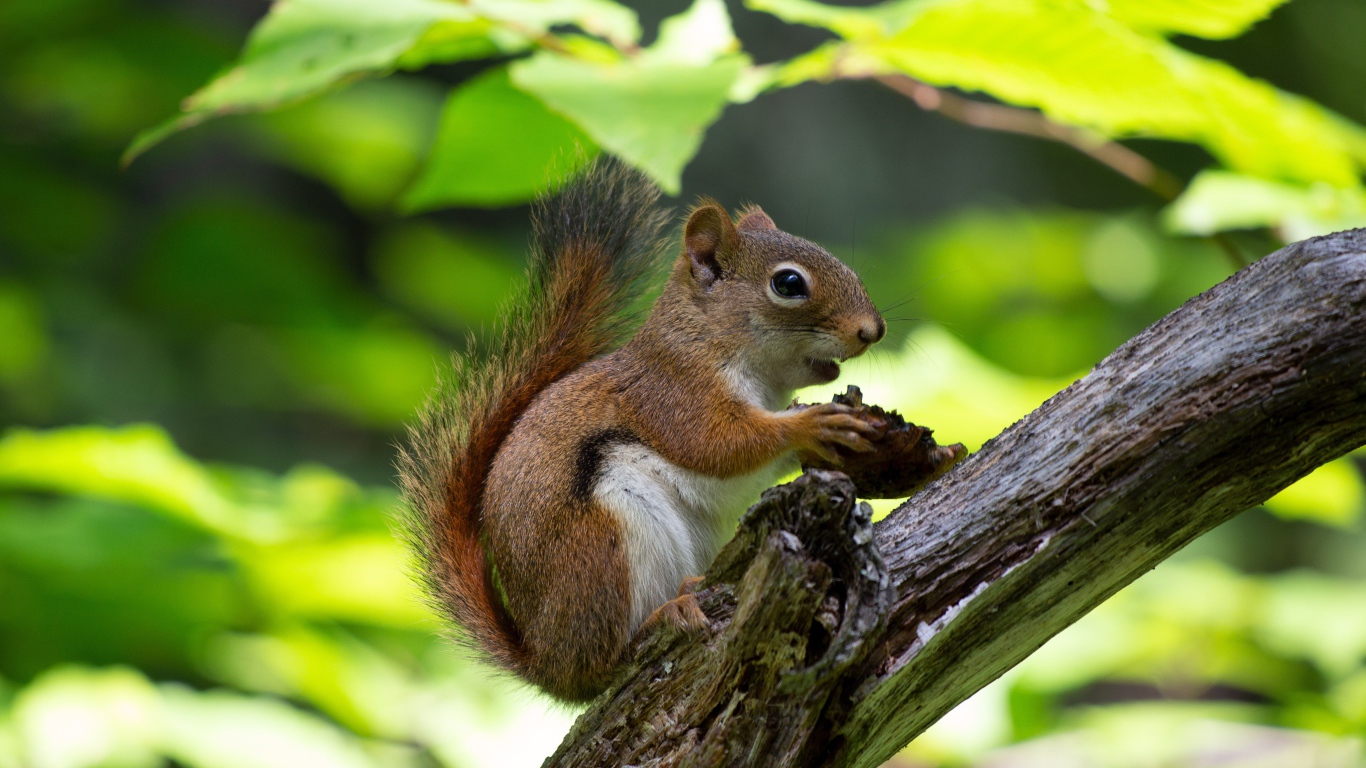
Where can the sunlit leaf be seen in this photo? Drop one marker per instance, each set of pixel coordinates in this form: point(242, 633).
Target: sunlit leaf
point(1218, 200)
point(848, 21)
point(651, 114)
point(472, 162)
point(1218, 19)
point(360, 578)
point(1081, 66)
point(698, 36)
point(136, 464)
point(604, 18)
point(140, 465)
point(651, 108)
point(304, 47)
point(72, 717)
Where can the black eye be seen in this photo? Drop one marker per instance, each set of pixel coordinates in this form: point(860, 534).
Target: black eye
point(789, 283)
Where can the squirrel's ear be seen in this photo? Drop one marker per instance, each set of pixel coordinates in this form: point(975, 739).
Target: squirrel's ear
point(708, 232)
point(752, 217)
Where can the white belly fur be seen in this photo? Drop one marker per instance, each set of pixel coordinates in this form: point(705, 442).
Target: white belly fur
point(674, 520)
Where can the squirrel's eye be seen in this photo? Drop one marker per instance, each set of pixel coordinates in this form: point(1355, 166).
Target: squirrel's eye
point(789, 284)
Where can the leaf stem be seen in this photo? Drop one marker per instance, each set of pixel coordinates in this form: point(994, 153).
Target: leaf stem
point(1027, 122)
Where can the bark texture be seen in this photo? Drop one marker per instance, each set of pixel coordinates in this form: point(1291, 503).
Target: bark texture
point(835, 642)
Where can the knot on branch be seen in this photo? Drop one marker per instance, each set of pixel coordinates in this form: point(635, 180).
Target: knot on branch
point(794, 601)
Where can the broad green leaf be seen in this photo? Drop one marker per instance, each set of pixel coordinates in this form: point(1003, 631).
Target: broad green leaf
point(1215, 19)
point(1084, 67)
point(652, 108)
point(304, 47)
point(1217, 200)
point(140, 465)
point(1204, 18)
point(604, 18)
point(698, 36)
point(137, 464)
point(849, 22)
point(652, 114)
point(472, 162)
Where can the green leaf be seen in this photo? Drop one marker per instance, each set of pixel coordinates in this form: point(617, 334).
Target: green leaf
point(650, 109)
point(472, 162)
point(698, 36)
point(140, 465)
point(604, 18)
point(137, 464)
point(359, 578)
point(304, 47)
point(652, 114)
point(118, 710)
point(1218, 200)
point(1084, 67)
point(848, 22)
point(1217, 19)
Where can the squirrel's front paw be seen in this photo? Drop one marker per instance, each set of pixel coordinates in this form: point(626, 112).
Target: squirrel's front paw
point(828, 426)
point(681, 614)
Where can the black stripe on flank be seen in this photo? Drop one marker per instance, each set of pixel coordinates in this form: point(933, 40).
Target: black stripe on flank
point(591, 452)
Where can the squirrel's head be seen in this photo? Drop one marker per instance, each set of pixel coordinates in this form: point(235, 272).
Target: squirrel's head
point(797, 310)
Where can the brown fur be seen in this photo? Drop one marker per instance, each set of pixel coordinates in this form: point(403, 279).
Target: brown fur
point(501, 470)
point(595, 243)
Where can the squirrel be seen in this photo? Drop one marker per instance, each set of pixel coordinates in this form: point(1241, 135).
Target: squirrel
point(565, 493)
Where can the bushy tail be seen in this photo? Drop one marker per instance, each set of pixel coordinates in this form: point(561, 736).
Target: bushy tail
point(593, 243)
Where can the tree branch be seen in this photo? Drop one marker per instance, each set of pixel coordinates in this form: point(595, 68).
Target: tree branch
point(835, 642)
point(999, 117)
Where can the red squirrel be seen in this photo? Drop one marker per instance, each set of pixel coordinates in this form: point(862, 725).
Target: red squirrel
point(564, 490)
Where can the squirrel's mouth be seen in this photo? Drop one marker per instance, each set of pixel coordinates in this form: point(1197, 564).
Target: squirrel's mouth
point(826, 370)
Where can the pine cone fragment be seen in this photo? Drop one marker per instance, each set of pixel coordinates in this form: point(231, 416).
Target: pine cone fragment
point(906, 460)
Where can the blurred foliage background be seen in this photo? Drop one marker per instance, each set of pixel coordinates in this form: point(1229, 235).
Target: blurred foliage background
point(207, 356)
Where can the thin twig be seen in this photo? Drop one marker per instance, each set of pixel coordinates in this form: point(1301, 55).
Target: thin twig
point(1026, 122)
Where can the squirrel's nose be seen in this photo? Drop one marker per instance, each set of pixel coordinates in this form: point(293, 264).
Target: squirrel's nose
point(872, 332)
